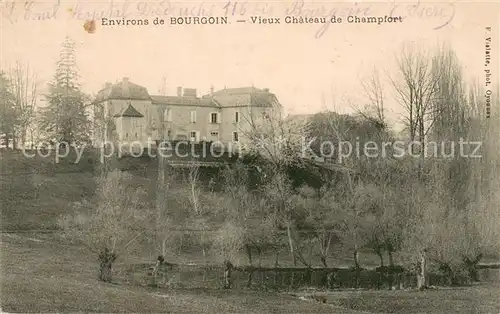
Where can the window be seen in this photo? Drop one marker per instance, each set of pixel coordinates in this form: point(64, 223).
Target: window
point(126, 135)
point(236, 117)
point(235, 137)
point(167, 116)
point(193, 116)
point(194, 136)
point(169, 133)
point(214, 117)
point(135, 135)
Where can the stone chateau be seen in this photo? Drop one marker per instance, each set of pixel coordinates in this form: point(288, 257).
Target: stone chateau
point(222, 116)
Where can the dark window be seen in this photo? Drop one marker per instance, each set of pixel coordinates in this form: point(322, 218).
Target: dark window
point(213, 117)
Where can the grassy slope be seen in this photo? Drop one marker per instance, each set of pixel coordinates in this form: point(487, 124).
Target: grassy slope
point(32, 197)
point(49, 276)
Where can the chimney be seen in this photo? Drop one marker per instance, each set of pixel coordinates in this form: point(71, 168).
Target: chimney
point(266, 90)
point(211, 90)
point(179, 91)
point(125, 79)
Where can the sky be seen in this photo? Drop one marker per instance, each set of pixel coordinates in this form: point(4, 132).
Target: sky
point(309, 69)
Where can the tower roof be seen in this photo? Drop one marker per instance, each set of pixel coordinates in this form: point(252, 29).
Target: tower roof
point(130, 111)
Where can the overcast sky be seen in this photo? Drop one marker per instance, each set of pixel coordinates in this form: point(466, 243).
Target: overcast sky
point(301, 67)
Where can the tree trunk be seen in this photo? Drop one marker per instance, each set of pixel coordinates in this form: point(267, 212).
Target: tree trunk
point(249, 253)
point(310, 251)
point(106, 259)
point(250, 276)
point(14, 141)
point(471, 266)
point(356, 259)
point(324, 248)
point(276, 257)
point(357, 268)
point(421, 274)
point(227, 274)
point(259, 251)
point(381, 257)
point(155, 271)
point(323, 260)
point(290, 243)
point(391, 258)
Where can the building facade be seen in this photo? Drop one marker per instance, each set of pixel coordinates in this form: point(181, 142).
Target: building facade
point(126, 113)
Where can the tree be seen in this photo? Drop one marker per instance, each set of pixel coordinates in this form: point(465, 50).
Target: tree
point(249, 211)
point(24, 88)
point(109, 224)
point(9, 114)
point(374, 92)
point(321, 218)
point(416, 85)
point(163, 221)
point(65, 118)
point(278, 145)
point(228, 241)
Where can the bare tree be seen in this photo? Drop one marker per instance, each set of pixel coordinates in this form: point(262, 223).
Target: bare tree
point(374, 91)
point(228, 241)
point(9, 113)
point(163, 223)
point(279, 143)
point(24, 88)
point(193, 179)
point(112, 223)
point(321, 222)
point(416, 86)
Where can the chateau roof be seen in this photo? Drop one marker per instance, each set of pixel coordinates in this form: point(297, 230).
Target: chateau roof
point(179, 100)
point(130, 111)
point(240, 90)
point(123, 90)
point(245, 96)
point(227, 97)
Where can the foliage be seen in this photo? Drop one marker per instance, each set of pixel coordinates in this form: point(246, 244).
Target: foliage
point(65, 118)
point(9, 113)
point(113, 220)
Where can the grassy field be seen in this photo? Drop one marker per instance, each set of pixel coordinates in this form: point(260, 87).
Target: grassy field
point(477, 299)
point(41, 274)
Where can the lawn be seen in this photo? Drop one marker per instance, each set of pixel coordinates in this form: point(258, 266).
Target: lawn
point(477, 299)
point(41, 274)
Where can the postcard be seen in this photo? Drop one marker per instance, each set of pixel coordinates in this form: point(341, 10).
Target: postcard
point(284, 156)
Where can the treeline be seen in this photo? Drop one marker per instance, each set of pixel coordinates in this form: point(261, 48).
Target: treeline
point(28, 116)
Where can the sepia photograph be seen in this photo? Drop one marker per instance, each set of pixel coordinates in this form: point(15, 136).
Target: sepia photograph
point(220, 156)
